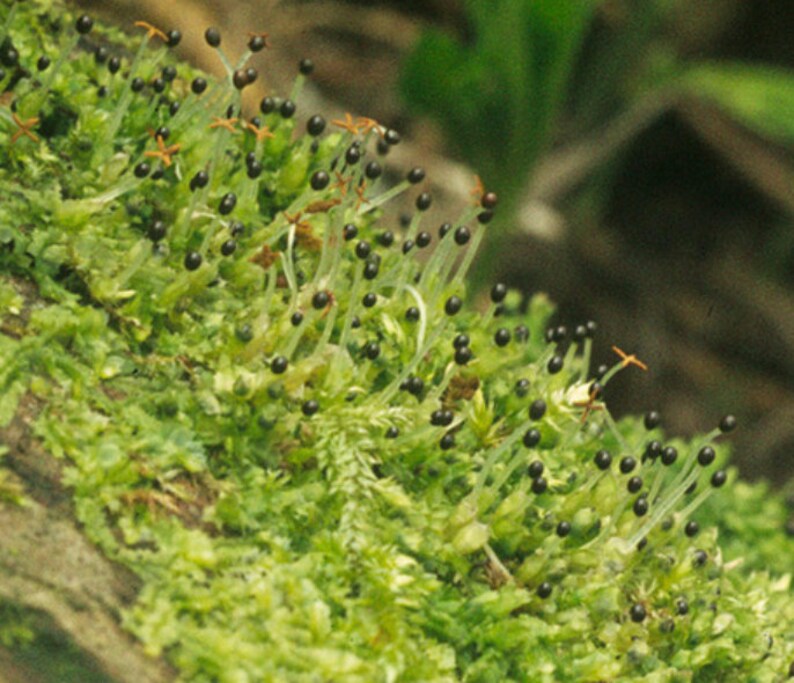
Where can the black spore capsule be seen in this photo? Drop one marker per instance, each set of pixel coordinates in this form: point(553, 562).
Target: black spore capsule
point(310, 407)
point(279, 365)
point(84, 24)
point(637, 613)
point(544, 590)
point(537, 409)
point(213, 36)
point(192, 260)
point(453, 305)
point(554, 365)
point(706, 456)
point(315, 125)
point(603, 459)
point(531, 438)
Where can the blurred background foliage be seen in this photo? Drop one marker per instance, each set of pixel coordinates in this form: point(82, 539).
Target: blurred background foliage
point(642, 151)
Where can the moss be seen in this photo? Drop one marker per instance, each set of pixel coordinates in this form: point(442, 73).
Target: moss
point(330, 520)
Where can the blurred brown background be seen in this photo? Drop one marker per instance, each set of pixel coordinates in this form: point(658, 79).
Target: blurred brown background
point(689, 262)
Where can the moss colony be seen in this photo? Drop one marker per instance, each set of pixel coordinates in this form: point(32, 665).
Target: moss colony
point(322, 462)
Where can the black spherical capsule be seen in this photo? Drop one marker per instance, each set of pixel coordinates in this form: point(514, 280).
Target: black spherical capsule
point(201, 179)
point(349, 232)
point(198, 85)
point(640, 506)
point(502, 337)
point(240, 79)
point(257, 43)
point(652, 419)
point(669, 455)
point(227, 203)
point(353, 155)
point(544, 590)
point(554, 365)
point(489, 200)
point(84, 24)
point(369, 300)
point(320, 300)
point(538, 409)
point(719, 478)
point(447, 442)
point(372, 350)
point(522, 387)
point(415, 385)
point(539, 485)
point(727, 424)
point(637, 613)
point(453, 305)
point(279, 365)
point(463, 355)
point(699, 558)
point(634, 484)
point(706, 456)
point(310, 407)
point(691, 529)
point(320, 180)
point(306, 66)
point(412, 314)
point(267, 105)
point(228, 247)
point(563, 529)
point(43, 63)
point(193, 260)
point(287, 109)
point(627, 464)
point(363, 249)
point(603, 460)
point(443, 229)
point(371, 269)
point(392, 433)
point(423, 239)
point(462, 235)
point(157, 231)
point(296, 318)
point(424, 201)
point(535, 469)
point(522, 333)
point(416, 175)
point(174, 37)
point(373, 170)
point(315, 125)
point(498, 293)
point(142, 170)
point(461, 340)
point(386, 238)
point(137, 84)
point(213, 36)
point(392, 137)
point(531, 438)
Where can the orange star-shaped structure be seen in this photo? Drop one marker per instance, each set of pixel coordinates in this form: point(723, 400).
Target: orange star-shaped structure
point(478, 190)
point(152, 31)
point(629, 359)
point(342, 183)
point(348, 124)
point(228, 124)
point(162, 152)
point(361, 198)
point(590, 404)
point(367, 124)
point(262, 133)
point(24, 128)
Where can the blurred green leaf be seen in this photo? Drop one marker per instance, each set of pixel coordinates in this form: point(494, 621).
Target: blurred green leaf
point(760, 97)
point(498, 96)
